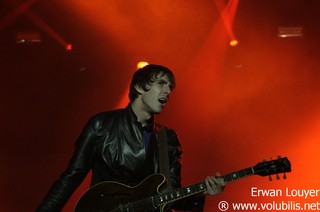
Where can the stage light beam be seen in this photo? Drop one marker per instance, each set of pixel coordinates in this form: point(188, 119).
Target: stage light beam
point(227, 13)
point(24, 8)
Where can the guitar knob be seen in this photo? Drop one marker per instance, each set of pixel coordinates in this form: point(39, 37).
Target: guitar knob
point(277, 177)
point(270, 178)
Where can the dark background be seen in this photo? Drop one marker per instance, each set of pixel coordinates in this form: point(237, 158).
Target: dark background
point(232, 107)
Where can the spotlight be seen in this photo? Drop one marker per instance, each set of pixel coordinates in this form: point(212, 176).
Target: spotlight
point(233, 42)
point(286, 32)
point(69, 47)
point(28, 37)
point(142, 64)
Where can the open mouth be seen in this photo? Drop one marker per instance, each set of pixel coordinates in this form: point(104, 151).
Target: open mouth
point(163, 100)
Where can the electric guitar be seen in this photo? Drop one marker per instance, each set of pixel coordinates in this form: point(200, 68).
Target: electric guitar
point(112, 196)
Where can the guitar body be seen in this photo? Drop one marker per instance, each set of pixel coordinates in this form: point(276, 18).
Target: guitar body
point(112, 196)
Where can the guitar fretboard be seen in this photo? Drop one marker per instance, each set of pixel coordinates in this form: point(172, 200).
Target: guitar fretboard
point(184, 192)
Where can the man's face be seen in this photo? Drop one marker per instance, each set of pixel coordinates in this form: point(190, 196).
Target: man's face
point(155, 99)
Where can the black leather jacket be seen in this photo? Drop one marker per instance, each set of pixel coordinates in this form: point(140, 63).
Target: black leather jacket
point(111, 144)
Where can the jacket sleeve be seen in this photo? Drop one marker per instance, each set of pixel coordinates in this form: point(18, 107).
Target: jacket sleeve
point(78, 167)
point(193, 203)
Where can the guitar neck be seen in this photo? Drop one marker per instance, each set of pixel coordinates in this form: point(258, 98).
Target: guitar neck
point(197, 188)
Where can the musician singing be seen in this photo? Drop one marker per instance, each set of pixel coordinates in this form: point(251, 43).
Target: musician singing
point(123, 146)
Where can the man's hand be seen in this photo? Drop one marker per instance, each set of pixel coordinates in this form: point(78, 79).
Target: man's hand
point(215, 184)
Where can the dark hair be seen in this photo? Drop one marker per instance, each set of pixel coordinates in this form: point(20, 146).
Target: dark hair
point(147, 75)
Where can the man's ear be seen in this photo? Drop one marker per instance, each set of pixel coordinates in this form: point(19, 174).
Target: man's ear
point(139, 89)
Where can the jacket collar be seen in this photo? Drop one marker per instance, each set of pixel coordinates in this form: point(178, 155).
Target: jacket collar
point(151, 121)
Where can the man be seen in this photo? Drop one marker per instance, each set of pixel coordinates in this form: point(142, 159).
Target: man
point(123, 145)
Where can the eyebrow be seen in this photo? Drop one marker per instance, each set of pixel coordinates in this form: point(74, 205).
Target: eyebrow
point(167, 82)
point(163, 80)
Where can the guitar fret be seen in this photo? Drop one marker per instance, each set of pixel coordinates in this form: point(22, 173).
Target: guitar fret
point(239, 174)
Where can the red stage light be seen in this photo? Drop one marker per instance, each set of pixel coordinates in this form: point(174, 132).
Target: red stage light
point(69, 47)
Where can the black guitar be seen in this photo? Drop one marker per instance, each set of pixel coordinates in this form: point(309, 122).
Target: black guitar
point(111, 196)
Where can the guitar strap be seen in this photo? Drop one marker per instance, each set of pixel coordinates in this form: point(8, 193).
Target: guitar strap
point(164, 156)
